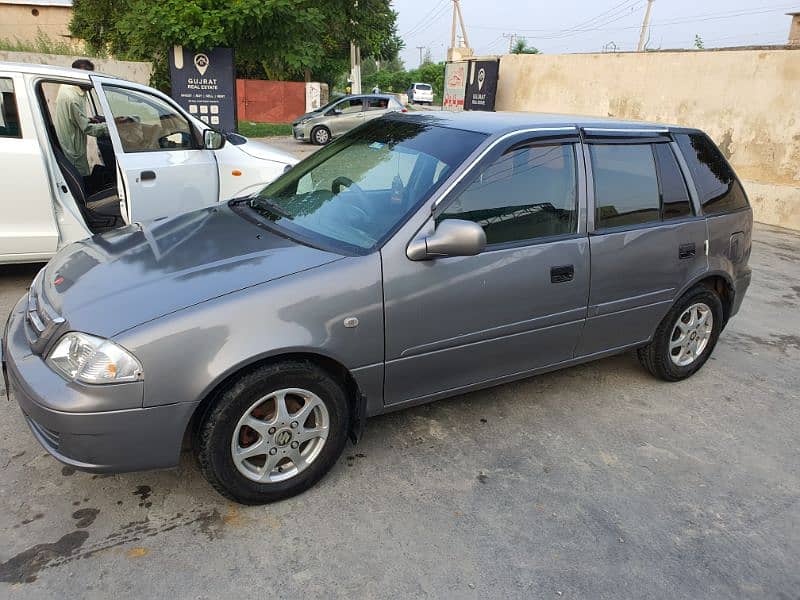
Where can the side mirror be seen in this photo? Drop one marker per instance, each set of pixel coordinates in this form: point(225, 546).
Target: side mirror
point(213, 140)
point(453, 237)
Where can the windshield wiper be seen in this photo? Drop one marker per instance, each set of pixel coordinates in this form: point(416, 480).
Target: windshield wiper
point(256, 201)
point(275, 209)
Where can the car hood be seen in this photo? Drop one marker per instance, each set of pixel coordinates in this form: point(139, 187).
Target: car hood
point(264, 151)
point(111, 282)
point(308, 115)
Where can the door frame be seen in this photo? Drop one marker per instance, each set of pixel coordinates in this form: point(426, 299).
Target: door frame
point(421, 223)
point(123, 186)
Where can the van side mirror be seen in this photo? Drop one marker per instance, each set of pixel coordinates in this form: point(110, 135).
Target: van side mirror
point(213, 140)
point(452, 237)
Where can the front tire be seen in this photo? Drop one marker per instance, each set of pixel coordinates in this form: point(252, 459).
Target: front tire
point(320, 135)
point(686, 336)
point(273, 432)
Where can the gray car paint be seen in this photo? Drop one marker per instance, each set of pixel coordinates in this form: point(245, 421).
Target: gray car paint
point(210, 294)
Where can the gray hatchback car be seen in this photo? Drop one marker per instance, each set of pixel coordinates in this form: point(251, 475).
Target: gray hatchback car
point(341, 115)
point(418, 257)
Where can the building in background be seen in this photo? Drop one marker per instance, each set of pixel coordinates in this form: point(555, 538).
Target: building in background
point(23, 20)
point(794, 29)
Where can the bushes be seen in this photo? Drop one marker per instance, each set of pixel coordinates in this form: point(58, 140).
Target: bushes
point(400, 81)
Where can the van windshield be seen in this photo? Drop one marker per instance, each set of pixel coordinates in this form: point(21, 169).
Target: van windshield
point(356, 192)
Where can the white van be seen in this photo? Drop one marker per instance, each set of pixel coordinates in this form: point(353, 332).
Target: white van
point(421, 93)
point(155, 160)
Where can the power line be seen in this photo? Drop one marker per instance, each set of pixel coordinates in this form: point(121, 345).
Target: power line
point(426, 19)
point(678, 21)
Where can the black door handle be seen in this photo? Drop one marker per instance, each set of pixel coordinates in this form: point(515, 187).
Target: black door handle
point(147, 175)
point(562, 274)
point(686, 251)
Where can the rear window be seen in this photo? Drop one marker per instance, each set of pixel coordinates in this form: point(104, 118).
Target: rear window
point(716, 182)
point(625, 185)
point(424, 87)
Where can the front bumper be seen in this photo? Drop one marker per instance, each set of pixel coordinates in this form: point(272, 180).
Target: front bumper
point(72, 421)
point(300, 132)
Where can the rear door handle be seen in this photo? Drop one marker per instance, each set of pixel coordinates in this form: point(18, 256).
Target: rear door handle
point(686, 251)
point(147, 175)
point(562, 274)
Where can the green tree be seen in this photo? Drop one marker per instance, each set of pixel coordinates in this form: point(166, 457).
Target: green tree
point(276, 39)
point(521, 47)
point(698, 42)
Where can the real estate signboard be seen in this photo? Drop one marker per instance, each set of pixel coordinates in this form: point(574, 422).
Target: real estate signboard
point(204, 83)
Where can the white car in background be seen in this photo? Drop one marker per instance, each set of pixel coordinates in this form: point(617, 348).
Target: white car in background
point(420, 93)
point(156, 161)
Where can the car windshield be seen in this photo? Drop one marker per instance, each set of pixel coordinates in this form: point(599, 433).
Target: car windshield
point(354, 193)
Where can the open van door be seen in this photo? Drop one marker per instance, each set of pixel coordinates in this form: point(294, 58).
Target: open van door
point(162, 165)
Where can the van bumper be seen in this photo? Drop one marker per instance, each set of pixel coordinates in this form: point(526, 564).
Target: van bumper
point(63, 418)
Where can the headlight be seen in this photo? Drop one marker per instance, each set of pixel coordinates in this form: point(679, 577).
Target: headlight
point(83, 357)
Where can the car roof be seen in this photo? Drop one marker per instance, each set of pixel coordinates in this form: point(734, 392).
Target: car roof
point(385, 96)
point(502, 122)
point(37, 69)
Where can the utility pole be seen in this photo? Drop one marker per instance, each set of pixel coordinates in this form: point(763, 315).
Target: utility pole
point(645, 26)
point(511, 38)
point(355, 56)
point(420, 48)
point(458, 19)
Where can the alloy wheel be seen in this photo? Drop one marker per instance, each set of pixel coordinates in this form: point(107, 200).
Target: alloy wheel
point(280, 435)
point(691, 334)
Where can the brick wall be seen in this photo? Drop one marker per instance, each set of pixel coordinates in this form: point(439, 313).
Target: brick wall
point(270, 101)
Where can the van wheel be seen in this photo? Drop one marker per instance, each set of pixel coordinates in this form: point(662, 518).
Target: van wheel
point(273, 433)
point(320, 135)
point(686, 336)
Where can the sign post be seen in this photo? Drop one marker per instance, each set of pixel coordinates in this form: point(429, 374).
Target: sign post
point(204, 83)
point(455, 81)
point(482, 85)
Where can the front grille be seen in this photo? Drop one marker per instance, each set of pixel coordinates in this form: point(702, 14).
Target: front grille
point(49, 437)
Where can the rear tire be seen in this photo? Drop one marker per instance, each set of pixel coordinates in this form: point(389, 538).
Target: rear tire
point(320, 135)
point(300, 441)
point(686, 336)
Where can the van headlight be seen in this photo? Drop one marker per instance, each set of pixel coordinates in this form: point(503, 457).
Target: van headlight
point(89, 359)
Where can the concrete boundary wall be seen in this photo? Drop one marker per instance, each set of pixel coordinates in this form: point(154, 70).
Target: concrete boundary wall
point(130, 70)
point(747, 100)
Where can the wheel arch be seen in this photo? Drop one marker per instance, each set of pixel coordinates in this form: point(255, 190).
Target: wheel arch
point(330, 365)
point(316, 128)
point(717, 281)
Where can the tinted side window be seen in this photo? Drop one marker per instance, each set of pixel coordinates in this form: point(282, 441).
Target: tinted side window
point(353, 105)
point(9, 118)
point(674, 195)
point(527, 193)
point(377, 103)
point(625, 185)
point(716, 183)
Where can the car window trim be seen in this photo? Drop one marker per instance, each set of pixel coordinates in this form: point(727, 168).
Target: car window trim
point(592, 227)
point(444, 195)
point(648, 225)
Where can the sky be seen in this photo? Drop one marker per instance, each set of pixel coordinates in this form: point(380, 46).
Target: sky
point(563, 26)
